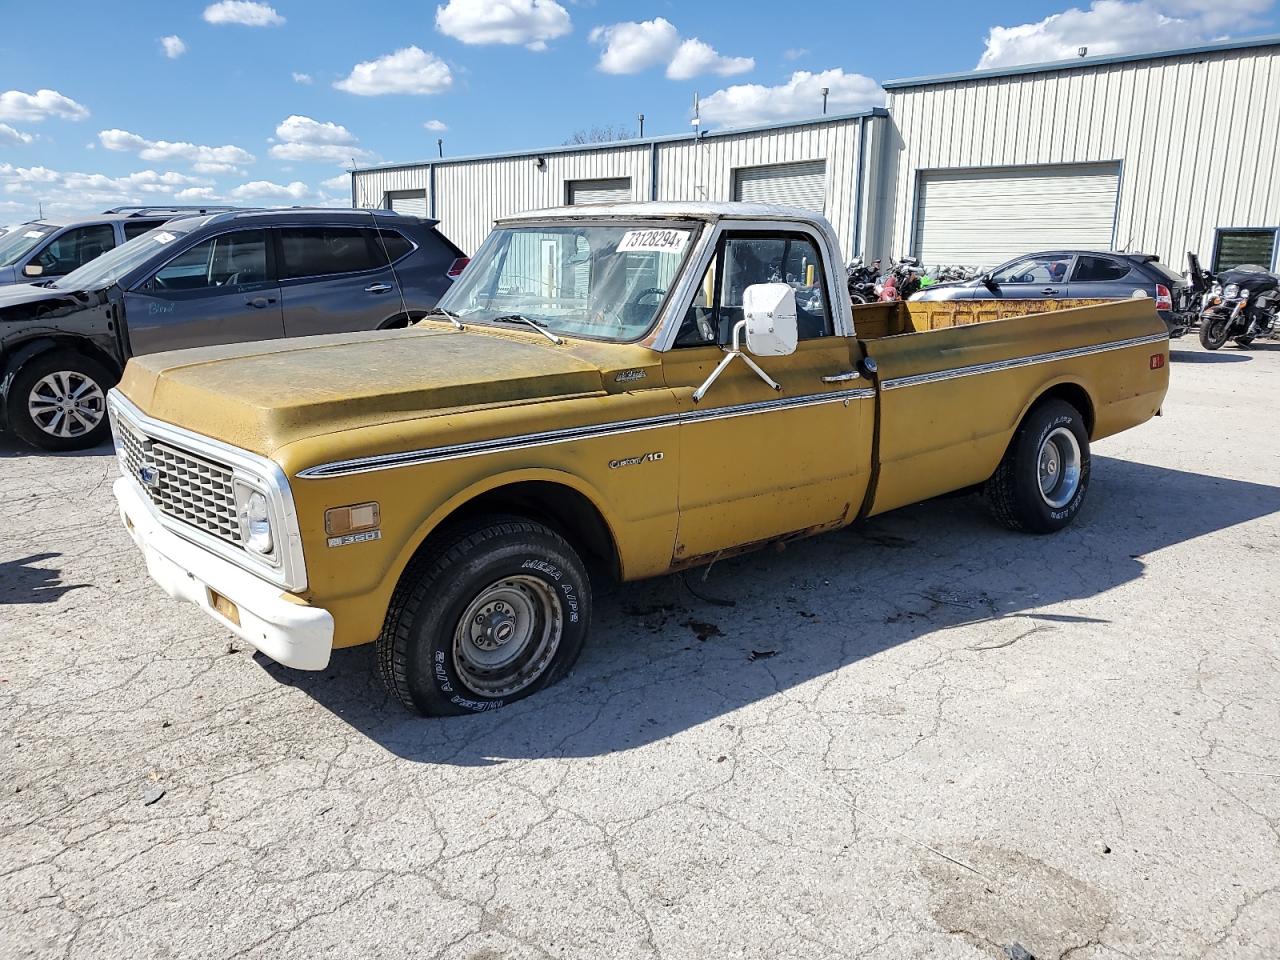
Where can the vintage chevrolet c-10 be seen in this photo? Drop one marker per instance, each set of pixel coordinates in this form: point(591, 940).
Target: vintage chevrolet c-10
point(629, 389)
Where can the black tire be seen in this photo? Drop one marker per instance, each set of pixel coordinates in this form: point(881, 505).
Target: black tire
point(1014, 490)
point(1214, 332)
point(1244, 342)
point(77, 428)
point(423, 654)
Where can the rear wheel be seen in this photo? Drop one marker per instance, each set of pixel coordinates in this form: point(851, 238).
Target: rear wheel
point(58, 401)
point(1214, 332)
point(490, 612)
point(1041, 483)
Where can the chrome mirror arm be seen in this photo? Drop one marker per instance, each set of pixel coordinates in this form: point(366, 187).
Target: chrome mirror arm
point(736, 351)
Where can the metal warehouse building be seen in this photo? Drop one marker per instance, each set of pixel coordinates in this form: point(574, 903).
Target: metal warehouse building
point(1163, 152)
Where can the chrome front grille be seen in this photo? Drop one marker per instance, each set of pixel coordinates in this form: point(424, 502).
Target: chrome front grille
point(189, 488)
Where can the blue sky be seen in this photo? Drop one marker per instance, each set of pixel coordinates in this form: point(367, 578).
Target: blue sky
point(103, 103)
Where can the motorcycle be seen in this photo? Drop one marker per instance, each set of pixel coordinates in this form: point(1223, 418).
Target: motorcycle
point(861, 279)
point(902, 280)
point(1242, 304)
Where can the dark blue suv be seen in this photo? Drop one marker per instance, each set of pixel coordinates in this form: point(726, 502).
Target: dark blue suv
point(197, 281)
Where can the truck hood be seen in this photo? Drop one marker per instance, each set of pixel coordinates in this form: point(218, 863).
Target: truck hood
point(262, 396)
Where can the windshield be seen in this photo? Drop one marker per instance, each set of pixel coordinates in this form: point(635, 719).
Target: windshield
point(605, 282)
point(20, 241)
point(114, 264)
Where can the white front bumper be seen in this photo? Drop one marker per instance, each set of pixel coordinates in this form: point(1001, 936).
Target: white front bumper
point(293, 634)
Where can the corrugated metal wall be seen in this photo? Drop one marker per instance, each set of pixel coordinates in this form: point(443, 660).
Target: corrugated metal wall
point(1198, 136)
point(471, 194)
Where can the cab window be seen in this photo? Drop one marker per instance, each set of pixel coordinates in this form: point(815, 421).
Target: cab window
point(746, 259)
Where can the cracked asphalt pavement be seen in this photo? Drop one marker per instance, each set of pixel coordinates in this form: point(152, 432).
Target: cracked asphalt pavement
point(922, 737)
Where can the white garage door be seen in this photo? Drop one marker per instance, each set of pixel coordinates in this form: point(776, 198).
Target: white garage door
point(982, 218)
point(412, 203)
point(617, 190)
point(793, 184)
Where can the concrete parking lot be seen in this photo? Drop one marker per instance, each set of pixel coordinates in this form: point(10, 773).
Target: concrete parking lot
point(921, 737)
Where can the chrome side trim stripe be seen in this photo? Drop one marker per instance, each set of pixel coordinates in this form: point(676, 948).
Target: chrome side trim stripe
point(388, 461)
point(998, 365)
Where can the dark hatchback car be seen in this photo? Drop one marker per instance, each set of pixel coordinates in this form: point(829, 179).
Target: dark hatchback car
point(1078, 274)
point(224, 278)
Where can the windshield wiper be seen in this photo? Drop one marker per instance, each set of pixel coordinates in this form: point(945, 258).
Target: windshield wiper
point(529, 321)
point(449, 316)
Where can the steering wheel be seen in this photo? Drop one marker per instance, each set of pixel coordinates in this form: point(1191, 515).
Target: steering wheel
point(637, 303)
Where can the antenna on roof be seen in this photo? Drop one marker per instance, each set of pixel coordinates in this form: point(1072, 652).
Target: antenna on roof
point(697, 114)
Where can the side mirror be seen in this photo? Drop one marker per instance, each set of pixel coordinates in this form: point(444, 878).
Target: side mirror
point(770, 313)
point(32, 270)
point(989, 283)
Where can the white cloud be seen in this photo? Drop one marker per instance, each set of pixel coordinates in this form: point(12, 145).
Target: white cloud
point(410, 70)
point(204, 159)
point(77, 192)
point(530, 22)
point(173, 47)
point(16, 105)
point(1110, 27)
point(304, 139)
point(436, 126)
point(244, 12)
point(341, 182)
point(196, 194)
point(15, 137)
point(795, 53)
point(693, 57)
point(302, 78)
point(798, 98)
point(631, 47)
point(266, 190)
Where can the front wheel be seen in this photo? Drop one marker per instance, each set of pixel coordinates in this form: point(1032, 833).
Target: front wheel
point(58, 401)
point(1214, 332)
point(492, 611)
point(1041, 483)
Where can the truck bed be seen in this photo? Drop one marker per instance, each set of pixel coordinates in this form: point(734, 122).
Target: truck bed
point(957, 378)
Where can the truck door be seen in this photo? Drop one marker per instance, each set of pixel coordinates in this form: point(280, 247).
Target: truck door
point(755, 463)
point(222, 290)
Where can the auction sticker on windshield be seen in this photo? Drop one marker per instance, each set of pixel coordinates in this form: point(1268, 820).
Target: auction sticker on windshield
point(653, 241)
point(164, 237)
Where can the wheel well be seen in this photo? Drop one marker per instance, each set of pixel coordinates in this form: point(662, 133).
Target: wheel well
point(562, 508)
point(20, 353)
point(1073, 394)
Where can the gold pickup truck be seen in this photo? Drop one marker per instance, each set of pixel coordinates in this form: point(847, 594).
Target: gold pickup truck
point(629, 389)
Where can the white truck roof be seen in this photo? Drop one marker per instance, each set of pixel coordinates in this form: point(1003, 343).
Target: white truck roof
point(674, 210)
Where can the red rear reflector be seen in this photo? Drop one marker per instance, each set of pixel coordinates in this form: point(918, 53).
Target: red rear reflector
point(456, 268)
point(1157, 361)
point(1164, 299)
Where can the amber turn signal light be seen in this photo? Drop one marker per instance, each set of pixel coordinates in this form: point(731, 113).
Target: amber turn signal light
point(340, 521)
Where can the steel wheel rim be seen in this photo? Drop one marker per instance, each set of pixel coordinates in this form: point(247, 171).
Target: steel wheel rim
point(507, 636)
point(66, 404)
point(1058, 467)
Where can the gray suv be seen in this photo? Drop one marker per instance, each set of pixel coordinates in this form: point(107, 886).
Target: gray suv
point(47, 249)
point(199, 281)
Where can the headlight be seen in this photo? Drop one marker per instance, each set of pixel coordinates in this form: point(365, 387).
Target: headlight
point(1231, 290)
point(1217, 290)
point(255, 520)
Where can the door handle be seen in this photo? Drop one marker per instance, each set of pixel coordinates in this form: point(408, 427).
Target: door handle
point(378, 288)
point(260, 302)
point(842, 377)
point(1047, 291)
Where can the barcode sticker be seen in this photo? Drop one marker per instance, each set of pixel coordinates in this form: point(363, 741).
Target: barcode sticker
point(164, 237)
point(33, 234)
point(653, 241)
